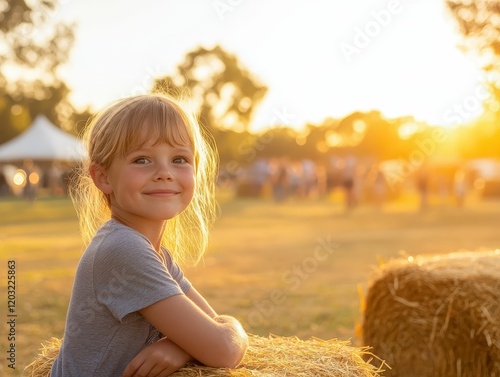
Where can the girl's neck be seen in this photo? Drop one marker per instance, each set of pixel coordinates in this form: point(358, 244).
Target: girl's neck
point(152, 230)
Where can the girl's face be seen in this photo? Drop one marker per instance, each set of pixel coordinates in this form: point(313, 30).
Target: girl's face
point(153, 182)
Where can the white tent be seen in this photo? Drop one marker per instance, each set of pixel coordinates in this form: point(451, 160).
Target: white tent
point(43, 142)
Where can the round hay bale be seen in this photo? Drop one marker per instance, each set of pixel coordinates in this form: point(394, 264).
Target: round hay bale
point(438, 315)
point(265, 357)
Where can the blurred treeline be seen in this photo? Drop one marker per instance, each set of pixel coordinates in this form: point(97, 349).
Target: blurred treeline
point(225, 94)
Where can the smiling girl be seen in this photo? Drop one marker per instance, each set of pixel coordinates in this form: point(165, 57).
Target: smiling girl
point(145, 200)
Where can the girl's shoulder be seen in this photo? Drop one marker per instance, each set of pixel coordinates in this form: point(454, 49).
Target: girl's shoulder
point(113, 239)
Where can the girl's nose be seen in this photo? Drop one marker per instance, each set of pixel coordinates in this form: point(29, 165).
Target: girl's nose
point(163, 172)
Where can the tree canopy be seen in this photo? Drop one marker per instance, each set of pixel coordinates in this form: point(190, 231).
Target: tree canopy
point(479, 22)
point(224, 93)
point(32, 47)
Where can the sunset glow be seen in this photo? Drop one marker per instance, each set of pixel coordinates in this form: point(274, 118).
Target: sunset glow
point(320, 60)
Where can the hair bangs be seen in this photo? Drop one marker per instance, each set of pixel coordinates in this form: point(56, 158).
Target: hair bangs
point(154, 121)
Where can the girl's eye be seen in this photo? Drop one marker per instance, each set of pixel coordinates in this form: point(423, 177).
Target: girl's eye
point(180, 160)
point(141, 160)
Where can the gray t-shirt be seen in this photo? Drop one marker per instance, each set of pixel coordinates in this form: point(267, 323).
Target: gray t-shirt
point(119, 274)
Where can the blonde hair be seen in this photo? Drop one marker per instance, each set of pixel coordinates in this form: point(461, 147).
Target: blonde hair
point(121, 126)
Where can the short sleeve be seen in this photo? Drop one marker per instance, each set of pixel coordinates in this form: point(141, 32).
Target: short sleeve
point(176, 272)
point(129, 275)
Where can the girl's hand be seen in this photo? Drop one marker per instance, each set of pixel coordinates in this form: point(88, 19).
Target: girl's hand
point(159, 359)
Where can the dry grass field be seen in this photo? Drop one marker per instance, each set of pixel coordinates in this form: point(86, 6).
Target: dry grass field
point(290, 269)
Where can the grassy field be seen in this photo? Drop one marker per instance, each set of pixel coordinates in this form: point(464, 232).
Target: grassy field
point(289, 269)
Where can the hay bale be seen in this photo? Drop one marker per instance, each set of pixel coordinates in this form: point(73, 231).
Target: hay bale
point(265, 357)
point(41, 366)
point(434, 316)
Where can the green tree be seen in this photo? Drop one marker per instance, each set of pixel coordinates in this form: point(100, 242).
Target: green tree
point(279, 141)
point(362, 133)
point(32, 47)
point(224, 93)
point(478, 22)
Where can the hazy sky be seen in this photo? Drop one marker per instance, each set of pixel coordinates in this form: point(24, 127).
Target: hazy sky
point(318, 58)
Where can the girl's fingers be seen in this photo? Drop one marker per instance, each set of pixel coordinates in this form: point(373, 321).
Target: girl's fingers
point(133, 369)
point(144, 371)
point(155, 371)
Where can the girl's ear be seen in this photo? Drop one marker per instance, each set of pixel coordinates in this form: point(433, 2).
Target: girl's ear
point(100, 177)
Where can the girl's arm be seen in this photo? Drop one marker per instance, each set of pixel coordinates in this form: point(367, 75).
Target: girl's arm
point(217, 341)
point(164, 355)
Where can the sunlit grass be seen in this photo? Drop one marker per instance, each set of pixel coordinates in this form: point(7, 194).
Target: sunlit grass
point(288, 269)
